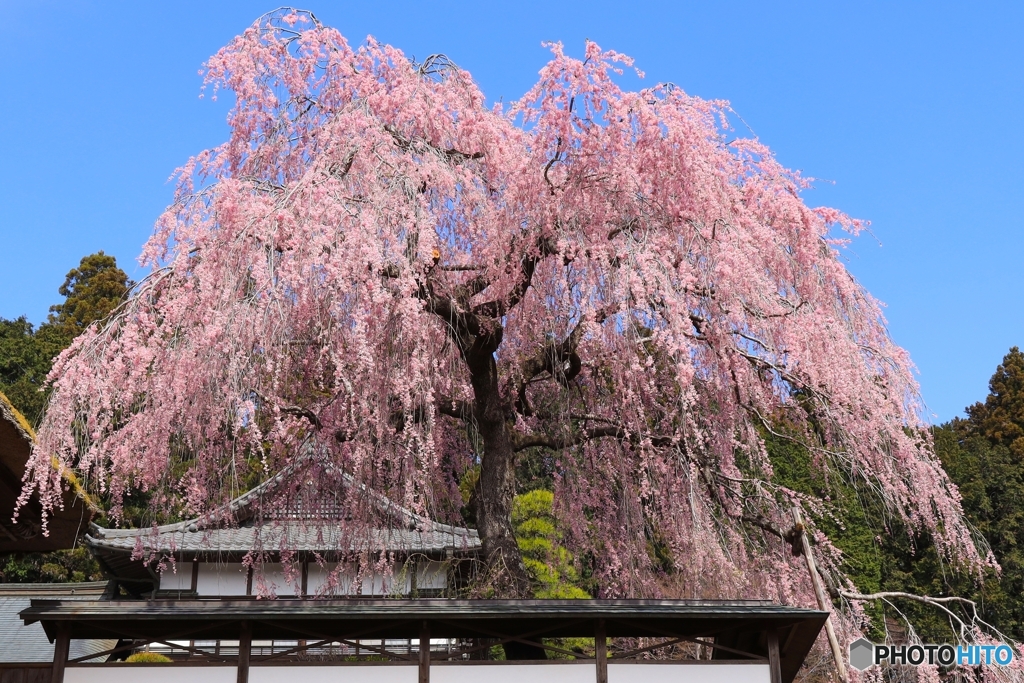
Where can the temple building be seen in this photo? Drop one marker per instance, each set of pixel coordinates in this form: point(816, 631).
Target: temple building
point(299, 541)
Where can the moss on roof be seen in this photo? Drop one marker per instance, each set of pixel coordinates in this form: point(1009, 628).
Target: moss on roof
point(12, 416)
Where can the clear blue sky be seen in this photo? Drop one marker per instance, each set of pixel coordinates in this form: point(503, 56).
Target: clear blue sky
point(912, 111)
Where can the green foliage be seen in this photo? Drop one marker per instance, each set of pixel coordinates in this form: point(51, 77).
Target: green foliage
point(148, 658)
point(855, 524)
point(91, 292)
point(550, 565)
point(1000, 419)
point(25, 358)
point(984, 456)
point(59, 566)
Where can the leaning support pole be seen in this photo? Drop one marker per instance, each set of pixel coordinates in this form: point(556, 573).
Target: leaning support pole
point(823, 603)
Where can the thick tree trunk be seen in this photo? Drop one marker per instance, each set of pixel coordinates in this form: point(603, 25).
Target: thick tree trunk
point(497, 484)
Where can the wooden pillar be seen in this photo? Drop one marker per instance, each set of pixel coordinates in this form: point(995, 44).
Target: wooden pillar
point(195, 576)
point(601, 652)
point(61, 648)
point(774, 659)
point(424, 653)
point(244, 647)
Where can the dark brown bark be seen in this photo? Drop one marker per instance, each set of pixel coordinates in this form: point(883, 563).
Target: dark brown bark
point(497, 485)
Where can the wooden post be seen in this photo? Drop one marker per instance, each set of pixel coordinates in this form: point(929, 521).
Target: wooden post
point(819, 593)
point(424, 653)
point(601, 652)
point(244, 647)
point(774, 662)
point(195, 576)
point(61, 648)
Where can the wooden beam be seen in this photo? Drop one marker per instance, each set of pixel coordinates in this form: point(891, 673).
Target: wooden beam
point(244, 648)
point(774, 660)
point(424, 653)
point(61, 648)
point(601, 651)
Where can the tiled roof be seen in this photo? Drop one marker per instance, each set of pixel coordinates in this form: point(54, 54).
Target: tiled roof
point(314, 525)
point(26, 644)
point(308, 535)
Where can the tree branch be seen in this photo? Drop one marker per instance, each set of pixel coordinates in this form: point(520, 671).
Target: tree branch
point(499, 307)
point(454, 407)
point(561, 361)
point(939, 603)
point(555, 443)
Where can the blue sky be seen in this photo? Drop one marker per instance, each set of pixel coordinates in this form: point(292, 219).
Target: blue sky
point(911, 111)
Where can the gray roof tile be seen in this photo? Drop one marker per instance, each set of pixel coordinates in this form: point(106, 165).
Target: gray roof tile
point(231, 527)
point(311, 535)
point(27, 644)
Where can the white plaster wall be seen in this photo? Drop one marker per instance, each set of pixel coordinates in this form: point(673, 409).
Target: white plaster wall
point(431, 574)
point(230, 578)
point(274, 576)
point(371, 585)
point(227, 578)
point(581, 672)
point(695, 672)
point(150, 673)
point(317, 577)
point(180, 580)
point(514, 673)
point(369, 673)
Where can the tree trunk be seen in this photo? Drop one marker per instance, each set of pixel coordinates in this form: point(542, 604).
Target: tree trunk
point(497, 484)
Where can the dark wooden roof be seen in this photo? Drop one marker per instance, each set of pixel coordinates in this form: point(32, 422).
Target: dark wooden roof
point(741, 626)
point(26, 535)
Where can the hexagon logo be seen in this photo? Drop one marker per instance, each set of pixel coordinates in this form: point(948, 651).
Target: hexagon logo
point(862, 654)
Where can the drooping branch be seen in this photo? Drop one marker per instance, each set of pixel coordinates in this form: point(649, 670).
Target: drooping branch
point(966, 627)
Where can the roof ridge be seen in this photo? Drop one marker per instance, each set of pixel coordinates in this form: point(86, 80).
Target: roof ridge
point(307, 457)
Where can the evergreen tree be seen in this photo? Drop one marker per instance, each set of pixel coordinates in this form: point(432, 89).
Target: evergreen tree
point(1000, 419)
point(25, 358)
point(91, 291)
point(984, 456)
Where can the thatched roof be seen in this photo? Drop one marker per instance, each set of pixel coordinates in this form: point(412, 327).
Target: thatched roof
point(16, 439)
